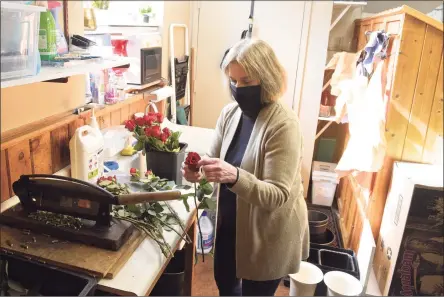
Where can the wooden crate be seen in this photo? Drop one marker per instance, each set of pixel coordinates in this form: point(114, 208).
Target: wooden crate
point(43, 147)
point(414, 120)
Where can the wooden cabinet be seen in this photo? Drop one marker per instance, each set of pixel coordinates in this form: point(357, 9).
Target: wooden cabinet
point(414, 120)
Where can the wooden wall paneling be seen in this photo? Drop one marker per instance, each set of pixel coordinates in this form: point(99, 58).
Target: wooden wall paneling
point(124, 113)
point(4, 181)
point(60, 148)
point(104, 120)
point(423, 96)
point(433, 142)
point(79, 122)
point(134, 108)
point(412, 40)
point(41, 154)
point(19, 161)
point(375, 209)
point(116, 118)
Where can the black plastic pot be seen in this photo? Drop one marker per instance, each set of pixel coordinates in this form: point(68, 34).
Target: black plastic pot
point(317, 222)
point(327, 238)
point(166, 165)
point(172, 280)
point(146, 18)
point(46, 280)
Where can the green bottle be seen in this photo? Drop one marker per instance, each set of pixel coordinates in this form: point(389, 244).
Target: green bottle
point(47, 36)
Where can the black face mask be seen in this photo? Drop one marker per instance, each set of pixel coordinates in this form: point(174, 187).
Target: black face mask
point(248, 98)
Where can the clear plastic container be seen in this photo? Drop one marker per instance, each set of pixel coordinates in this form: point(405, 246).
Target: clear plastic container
point(19, 39)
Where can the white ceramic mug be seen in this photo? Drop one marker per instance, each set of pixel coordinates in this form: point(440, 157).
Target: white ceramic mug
point(305, 281)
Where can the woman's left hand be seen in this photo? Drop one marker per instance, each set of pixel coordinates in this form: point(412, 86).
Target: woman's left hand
point(218, 171)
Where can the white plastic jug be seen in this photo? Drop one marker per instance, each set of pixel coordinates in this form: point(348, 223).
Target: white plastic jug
point(207, 234)
point(86, 153)
point(304, 282)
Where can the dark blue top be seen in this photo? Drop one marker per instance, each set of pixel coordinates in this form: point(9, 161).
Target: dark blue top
point(234, 156)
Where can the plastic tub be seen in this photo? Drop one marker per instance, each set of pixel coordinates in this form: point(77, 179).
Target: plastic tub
point(324, 182)
point(19, 40)
point(44, 280)
point(305, 281)
point(342, 284)
point(336, 260)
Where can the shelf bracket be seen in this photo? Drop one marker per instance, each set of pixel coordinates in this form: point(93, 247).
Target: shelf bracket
point(343, 12)
point(62, 80)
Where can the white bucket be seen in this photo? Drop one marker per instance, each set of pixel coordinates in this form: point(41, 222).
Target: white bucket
point(305, 281)
point(342, 284)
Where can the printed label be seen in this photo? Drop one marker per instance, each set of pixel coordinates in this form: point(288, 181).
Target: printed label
point(207, 241)
point(43, 40)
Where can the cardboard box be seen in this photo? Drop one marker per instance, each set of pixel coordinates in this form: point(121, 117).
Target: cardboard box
point(410, 250)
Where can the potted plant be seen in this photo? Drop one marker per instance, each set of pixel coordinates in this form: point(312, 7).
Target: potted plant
point(164, 153)
point(100, 11)
point(146, 13)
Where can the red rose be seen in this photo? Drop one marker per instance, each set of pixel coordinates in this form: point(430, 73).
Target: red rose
point(148, 131)
point(148, 120)
point(192, 160)
point(148, 173)
point(130, 125)
point(163, 137)
point(155, 131)
point(110, 178)
point(140, 121)
point(167, 131)
point(133, 171)
point(159, 117)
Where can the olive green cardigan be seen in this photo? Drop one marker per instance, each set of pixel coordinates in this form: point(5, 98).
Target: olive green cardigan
point(272, 234)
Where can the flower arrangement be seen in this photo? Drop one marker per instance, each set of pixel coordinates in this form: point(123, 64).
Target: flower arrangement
point(147, 130)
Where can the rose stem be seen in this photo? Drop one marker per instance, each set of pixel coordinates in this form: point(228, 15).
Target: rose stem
point(198, 223)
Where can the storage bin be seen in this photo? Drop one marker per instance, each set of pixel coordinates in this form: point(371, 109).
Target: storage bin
point(171, 283)
point(19, 40)
point(324, 182)
point(44, 280)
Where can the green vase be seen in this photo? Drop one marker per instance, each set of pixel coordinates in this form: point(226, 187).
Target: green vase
point(47, 37)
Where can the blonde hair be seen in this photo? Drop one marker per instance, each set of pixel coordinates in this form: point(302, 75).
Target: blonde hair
point(259, 62)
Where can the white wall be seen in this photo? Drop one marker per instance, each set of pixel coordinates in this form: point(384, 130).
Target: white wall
point(311, 67)
point(279, 23)
point(174, 12)
point(219, 25)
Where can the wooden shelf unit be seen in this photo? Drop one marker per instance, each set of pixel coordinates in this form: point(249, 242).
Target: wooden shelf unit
point(414, 119)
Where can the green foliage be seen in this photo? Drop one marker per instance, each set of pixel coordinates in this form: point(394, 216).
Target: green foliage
point(101, 4)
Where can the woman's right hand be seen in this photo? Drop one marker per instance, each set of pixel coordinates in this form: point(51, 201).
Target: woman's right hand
point(191, 176)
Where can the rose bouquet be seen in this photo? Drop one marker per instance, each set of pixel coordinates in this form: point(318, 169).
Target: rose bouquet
point(149, 134)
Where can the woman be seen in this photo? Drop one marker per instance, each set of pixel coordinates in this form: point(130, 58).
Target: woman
point(262, 226)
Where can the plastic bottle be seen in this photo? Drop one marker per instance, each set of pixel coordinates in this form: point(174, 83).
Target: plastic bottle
point(86, 153)
point(61, 44)
point(93, 122)
point(207, 230)
point(47, 35)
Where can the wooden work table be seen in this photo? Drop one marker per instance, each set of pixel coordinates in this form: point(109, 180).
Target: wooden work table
point(142, 270)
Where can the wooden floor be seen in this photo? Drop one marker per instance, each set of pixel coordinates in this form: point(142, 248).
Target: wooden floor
point(204, 284)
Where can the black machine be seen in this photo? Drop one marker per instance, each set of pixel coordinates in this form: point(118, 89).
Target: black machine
point(79, 199)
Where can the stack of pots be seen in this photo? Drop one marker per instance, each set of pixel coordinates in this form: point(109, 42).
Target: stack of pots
point(319, 233)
